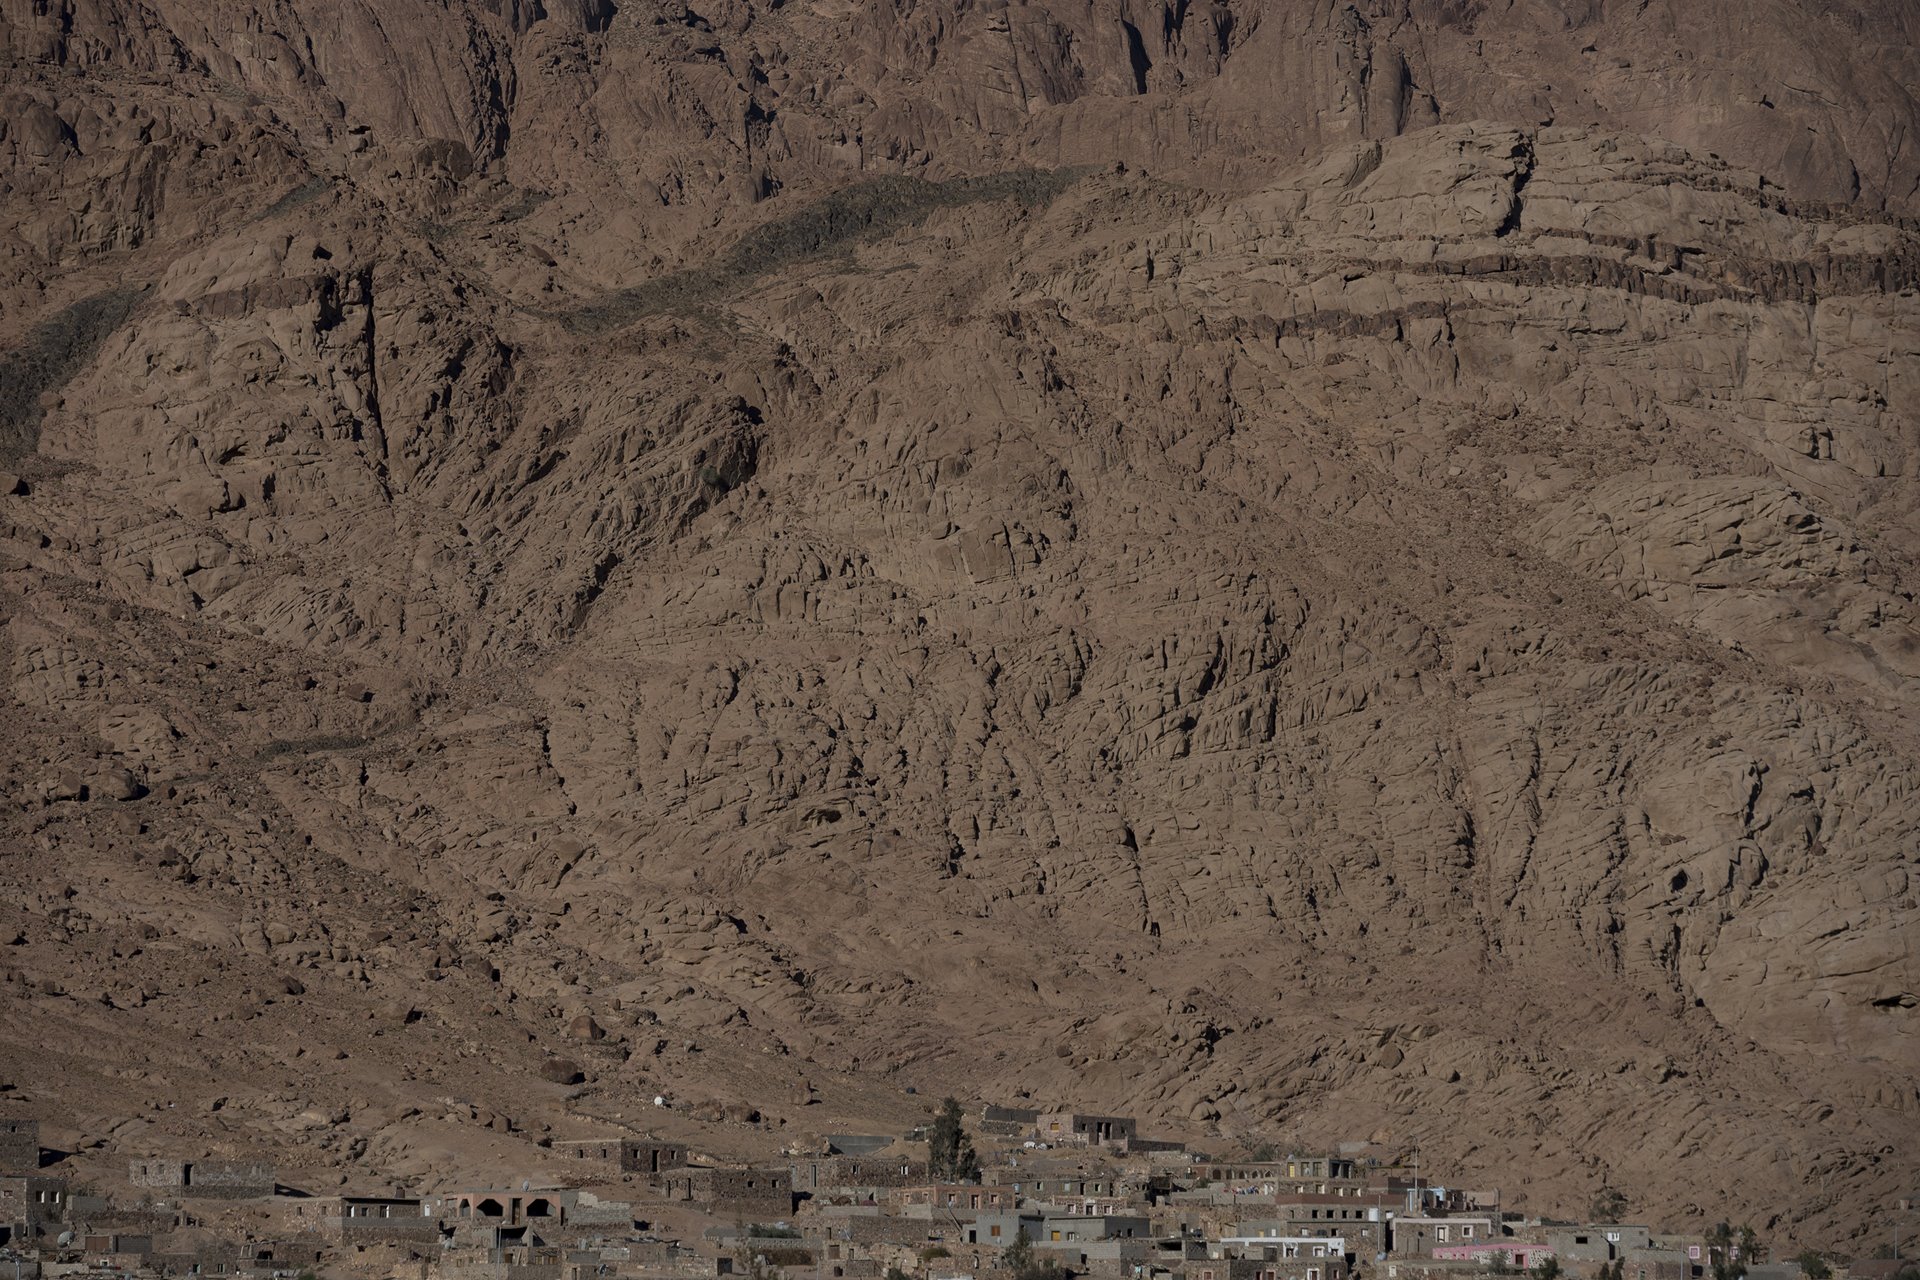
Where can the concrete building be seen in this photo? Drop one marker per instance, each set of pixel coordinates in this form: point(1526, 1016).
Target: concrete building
point(1659, 1264)
point(1120, 1259)
point(1001, 1229)
point(1364, 1229)
point(1601, 1243)
point(1057, 1227)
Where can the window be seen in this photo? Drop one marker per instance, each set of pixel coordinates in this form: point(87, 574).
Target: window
point(1440, 1233)
point(1466, 1232)
point(995, 1232)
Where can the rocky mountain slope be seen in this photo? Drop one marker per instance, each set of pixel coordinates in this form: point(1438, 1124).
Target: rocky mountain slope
point(1313, 570)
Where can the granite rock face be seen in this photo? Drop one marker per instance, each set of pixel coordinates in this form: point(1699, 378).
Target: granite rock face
point(1315, 571)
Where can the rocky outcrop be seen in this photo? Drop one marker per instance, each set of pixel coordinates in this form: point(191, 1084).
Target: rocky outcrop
point(545, 592)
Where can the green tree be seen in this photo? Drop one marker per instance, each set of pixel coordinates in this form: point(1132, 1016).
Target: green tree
point(1725, 1254)
point(1548, 1268)
point(1019, 1254)
point(1020, 1263)
point(1500, 1262)
point(950, 1153)
point(895, 1273)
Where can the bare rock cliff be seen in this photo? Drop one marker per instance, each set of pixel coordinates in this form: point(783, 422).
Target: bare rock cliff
point(1313, 570)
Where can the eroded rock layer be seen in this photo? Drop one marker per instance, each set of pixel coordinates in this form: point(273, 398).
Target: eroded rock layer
point(1312, 571)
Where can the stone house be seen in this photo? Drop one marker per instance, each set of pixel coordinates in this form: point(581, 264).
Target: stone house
point(1073, 1128)
point(510, 1207)
point(1338, 1206)
point(29, 1203)
point(490, 1220)
point(1006, 1122)
point(857, 1176)
point(117, 1248)
point(1415, 1237)
point(630, 1155)
point(739, 1193)
point(940, 1197)
point(865, 1226)
point(1266, 1267)
point(591, 1214)
point(262, 1258)
point(1089, 1206)
point(19, 1146)
point(1518, 1254)
point(206, 1179)
point(1064, 1185)
point(1309, 1174)
point(364, 1220)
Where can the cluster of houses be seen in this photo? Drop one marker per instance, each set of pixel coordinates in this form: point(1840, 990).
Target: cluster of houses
point(1057, 1194)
